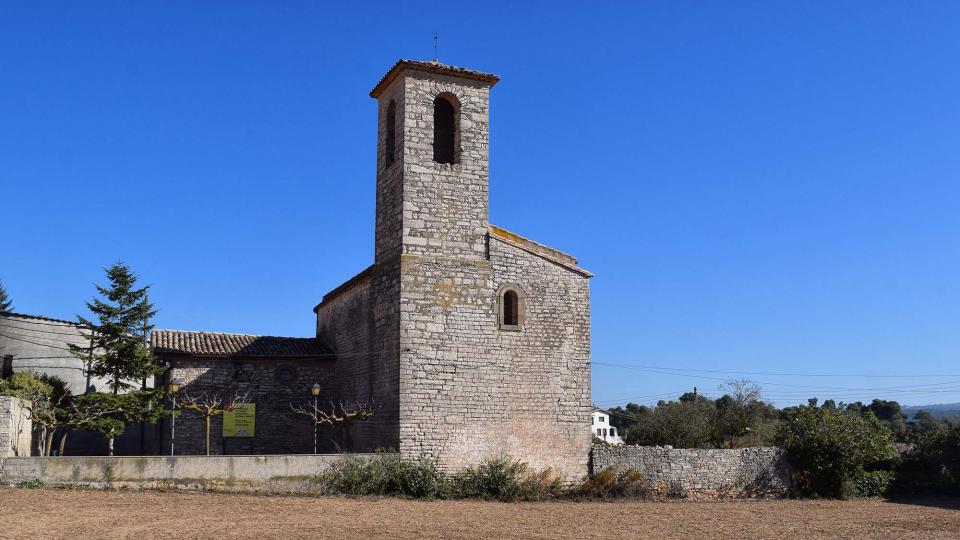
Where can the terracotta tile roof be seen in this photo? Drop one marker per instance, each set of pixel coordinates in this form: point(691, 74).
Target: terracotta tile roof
point(430, 67)
point(220, 344)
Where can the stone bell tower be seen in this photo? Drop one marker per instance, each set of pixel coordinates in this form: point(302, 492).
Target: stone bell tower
point(432, 149)
point(432, 216)
point(473, 341)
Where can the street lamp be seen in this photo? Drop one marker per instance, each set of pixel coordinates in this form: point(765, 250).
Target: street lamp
point(315, 390)
point(172, 388)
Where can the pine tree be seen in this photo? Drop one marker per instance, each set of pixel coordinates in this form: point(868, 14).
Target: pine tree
point(120, 353)
point(5, 303)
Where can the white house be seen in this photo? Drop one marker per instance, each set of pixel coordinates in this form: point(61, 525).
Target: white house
point(602, 429)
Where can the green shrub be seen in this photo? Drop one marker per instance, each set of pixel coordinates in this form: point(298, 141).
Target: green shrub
point(499, 479)
point(31, 484)
point(932, 466)
point(830, 450)
point(504, 479)
point(869, 483)
point(385, 475)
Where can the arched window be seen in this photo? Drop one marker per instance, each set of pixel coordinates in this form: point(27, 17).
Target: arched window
point(511, 308)
point(444, 130)
point(511, 300)
point(390, 140)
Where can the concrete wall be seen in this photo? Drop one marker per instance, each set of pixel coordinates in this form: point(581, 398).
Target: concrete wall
point(263, 474)
point(701, 474)
point(15, 428)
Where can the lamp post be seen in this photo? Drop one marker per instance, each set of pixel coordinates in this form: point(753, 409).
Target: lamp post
point(315, 390)
point(172, 388)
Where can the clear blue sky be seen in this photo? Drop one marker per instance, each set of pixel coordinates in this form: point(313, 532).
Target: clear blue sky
point(758, 186)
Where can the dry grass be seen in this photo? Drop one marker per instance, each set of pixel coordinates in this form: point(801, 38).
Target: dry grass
point(35, 513)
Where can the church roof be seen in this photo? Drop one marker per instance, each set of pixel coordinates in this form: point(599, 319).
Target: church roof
point(222, 344)
point(553, 255)
point(430, 67)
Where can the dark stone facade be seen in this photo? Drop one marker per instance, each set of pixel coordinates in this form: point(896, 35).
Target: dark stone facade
point(271, 383)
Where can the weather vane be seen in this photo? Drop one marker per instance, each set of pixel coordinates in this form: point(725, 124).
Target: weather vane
point(436, 47)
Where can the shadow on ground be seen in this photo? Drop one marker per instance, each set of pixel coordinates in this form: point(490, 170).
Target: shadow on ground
point(947, 503)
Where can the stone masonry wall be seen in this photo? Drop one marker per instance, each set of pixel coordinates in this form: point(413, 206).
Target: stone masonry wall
point(278, 429)
point(15, 428)
point(445, 206)
point(349, 321)
point(549, 358)
point(701, 474)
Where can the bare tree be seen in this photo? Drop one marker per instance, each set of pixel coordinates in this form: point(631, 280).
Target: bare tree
point(738, 412)
point(210, 405)
point(338, 415)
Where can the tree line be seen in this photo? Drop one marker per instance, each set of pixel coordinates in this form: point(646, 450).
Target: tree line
point(835, 449)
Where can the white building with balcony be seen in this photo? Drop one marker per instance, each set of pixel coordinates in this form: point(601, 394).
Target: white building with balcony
point(601, 428)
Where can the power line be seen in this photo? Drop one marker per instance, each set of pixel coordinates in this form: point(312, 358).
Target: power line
point(35, 343)
point(33, 321)
point(44, 357)
point(75, 334)
point(775, 374)
point(768, 383)
point(665, 394)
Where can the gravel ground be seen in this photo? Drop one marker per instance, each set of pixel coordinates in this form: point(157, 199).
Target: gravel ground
point(51, 513)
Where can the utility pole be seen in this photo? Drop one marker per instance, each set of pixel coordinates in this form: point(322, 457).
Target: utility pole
point(143, 386)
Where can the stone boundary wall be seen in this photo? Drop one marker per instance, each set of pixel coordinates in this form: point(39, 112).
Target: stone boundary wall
point(699, 473)
point(15, 428)
point(248, 474)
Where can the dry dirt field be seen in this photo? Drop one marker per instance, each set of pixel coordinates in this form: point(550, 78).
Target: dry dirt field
point(50, 513)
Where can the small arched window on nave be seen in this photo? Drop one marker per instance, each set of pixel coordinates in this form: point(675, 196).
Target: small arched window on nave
point(511, 308)
point(390, 138)
point(444, 130)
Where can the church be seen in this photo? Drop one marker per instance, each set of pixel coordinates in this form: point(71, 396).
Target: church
point(470, 340)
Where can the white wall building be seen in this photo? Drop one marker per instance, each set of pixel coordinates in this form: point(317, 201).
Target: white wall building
point(601, 428)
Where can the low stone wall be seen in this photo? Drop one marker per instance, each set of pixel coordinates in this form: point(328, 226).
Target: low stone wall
point(15, 428)
point(701, 474)
point(252, 474)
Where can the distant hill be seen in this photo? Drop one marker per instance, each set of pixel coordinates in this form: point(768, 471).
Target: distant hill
point(939, 410)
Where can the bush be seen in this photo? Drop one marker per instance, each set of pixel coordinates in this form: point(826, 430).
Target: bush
point(614, 483)
point(499, 479)
point(869, 483)
point(503, 479)
point(30, 484)
point(385, 475)
point(831, 451)
point(932, 466)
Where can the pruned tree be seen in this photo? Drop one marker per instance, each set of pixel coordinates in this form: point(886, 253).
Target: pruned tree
point(109, 414)
point(210, 405)
point(6, 304)
point(336, 415)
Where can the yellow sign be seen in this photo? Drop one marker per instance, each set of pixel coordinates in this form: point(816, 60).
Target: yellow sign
point(241, 421)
